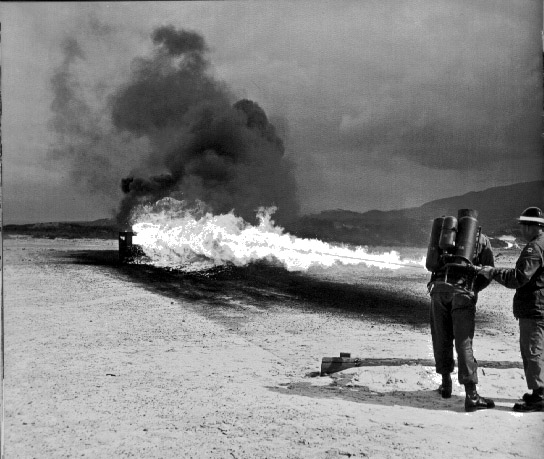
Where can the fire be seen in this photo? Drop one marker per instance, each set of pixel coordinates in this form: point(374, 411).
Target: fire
point(190, 238)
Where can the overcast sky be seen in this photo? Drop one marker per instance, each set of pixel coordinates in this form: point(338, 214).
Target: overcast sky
point(381, 104)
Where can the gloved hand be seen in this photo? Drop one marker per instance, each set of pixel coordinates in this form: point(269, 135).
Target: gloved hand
point(487, 272)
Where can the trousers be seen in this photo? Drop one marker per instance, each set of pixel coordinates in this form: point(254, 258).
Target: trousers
point(452, 321)
point(531, 344)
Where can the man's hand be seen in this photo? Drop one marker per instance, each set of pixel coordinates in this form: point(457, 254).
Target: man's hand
point(487, 272)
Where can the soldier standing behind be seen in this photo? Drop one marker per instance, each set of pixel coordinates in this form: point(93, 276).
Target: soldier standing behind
point(527, 277)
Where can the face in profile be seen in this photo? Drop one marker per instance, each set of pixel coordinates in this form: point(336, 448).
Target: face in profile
point(528, 232)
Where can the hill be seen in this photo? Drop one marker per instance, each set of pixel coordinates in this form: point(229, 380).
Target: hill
point(97, 229)
point(498, 209)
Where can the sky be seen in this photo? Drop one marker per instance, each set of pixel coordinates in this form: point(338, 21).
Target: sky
point(377, 104)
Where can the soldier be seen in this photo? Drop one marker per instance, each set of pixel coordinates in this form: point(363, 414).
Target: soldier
point(453, 308)
point(527, 277)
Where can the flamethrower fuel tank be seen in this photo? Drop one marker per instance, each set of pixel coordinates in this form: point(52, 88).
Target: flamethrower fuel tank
point(448, 234)
point(466, 234)
point(433, 250)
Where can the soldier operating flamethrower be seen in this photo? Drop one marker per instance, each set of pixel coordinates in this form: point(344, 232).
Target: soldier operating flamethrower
point(456, 252)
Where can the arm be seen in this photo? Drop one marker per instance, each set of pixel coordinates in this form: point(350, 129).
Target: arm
point(485, 258)
point(528, 263)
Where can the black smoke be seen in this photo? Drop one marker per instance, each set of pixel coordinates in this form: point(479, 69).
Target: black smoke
point(204, 146)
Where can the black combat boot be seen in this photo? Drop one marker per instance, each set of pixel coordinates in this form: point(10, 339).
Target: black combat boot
point(536, 396)
point(474, 402)
point(533, 402)
point(445, 387)
point(529, 407)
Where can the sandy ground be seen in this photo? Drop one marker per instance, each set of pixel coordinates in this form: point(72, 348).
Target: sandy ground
point(108, 361)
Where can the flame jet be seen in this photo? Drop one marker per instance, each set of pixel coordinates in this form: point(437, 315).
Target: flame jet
point(186, 238)
point(203, 146)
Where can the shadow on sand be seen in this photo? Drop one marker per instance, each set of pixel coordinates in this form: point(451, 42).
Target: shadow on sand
point(424, 399)
point(261, 285)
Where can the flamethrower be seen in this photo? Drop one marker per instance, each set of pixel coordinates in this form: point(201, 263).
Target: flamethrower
point(453, 244)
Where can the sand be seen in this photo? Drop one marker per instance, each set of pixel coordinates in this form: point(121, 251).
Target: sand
point(109, 361)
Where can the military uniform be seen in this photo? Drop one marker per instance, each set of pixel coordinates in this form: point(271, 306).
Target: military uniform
point(452, 315)
point(528, 279)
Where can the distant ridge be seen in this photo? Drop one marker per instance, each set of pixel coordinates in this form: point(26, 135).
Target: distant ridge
point(97, 229)
point(494, 204)
point(497, 207)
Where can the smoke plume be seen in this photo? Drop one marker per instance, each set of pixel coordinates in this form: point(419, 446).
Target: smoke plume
point(203, 146)
point(78, 129)
point(171, 130)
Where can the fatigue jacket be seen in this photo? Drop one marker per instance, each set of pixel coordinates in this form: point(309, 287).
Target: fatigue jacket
point(528, 279)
